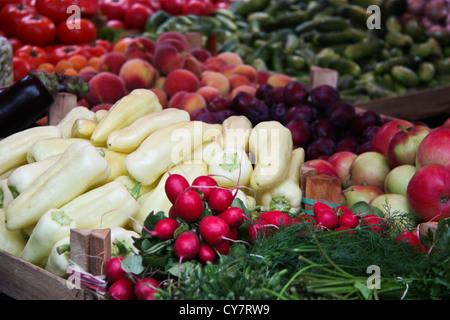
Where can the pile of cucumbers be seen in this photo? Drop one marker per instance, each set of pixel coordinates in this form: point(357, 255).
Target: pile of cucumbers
point(289, 36)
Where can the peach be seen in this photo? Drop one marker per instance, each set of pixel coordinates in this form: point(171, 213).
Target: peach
point(246, 88)
point(188, 101)
point(237, 80)
point(262, 76)
point(279, 80)
point(217, 80)
point(140, 47)
point(173, 35)
point(214, 63)
point(87, 75)
point(177, 43)
point(246, 71)
point(162, 96)
point(105, 87)
point(227, 70)
point(159, 82)
point(102, 106)
point(208, 92)
point(181, 80)
point(231, 58)
point(138, 73)
point(192, 64)
point(200, 53)
point(167, 58)
point(111, 62)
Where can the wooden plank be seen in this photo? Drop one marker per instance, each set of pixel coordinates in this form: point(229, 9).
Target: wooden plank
point(322, 187)
point(64, 102)
point(22, 280)
point(417, 105)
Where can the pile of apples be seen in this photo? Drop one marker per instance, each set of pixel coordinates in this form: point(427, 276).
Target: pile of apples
point(408, 168)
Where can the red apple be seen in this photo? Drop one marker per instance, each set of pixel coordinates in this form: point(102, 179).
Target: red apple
point(322, 167)
point(381, 140)
point(434, 148)
point(428, 192)
point(359, 193)
point(404, 144)
point(446, 124)
point(342, 161)
point(369, 168)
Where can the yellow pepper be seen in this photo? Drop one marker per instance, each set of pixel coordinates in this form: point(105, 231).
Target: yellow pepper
point(80, 167)
point(14, 148)
point(52, 226)
point(236, 132)
point(124, 112)
point(45, 148)
point(107, 206)
point(12, 242)
point(58, 259)
point(167, 146)
point(129, 138)
point(287, 196)
point(116, 161)
point(271, 145)
point(156, 200)
point(83, 128)
point(66, 123)
point(130, 184)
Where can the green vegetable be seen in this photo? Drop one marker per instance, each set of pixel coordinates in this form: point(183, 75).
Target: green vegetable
point(405, 76)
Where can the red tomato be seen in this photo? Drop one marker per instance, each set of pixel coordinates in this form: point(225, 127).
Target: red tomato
point(55, 10)
point(137, 15)
point(93, 49)
point(11, 15)
point(4, 3)
point(104, 43)
point(116, 24)
point(153, 4)
point(15, 43)
point(20, 67)
point(35, 55)
point(63, 52)
point(197, 7)
point(173, 7)
point(36, 29)
point(89, 8)
point(84, 31)
point(114, 9)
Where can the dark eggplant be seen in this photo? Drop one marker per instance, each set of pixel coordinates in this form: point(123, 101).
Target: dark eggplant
point(26, 100)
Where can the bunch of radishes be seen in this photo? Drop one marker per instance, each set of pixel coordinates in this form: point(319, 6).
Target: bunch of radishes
point(127, 286)
point(433, 14)
point(207, 209)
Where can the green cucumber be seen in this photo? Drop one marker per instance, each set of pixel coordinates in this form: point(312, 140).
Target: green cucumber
point(363, 49)
point(426, 72)
point(405, 76)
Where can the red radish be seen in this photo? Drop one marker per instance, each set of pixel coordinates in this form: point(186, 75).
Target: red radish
point(233, 234)
point(328, 219)
point(408, 237)
point(233, 216)
point(213, 230)
point(305, 218)
point(319, 206)
point(223, 248)
point(122, 289)
point(189, 205)
point(348, 219)
point(113, 269)
point(165, 228)
point(175, 184)
point(275, 217)
point(258, 228)
point(206, 253)
point(220, 199)
point(374, 222)
point(145, 288)
point(187, 245)
point(343, 209)
point(205, 184)
point(342, 228)
point(173, 212)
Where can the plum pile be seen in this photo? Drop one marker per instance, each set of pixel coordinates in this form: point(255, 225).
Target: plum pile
point(320, 122)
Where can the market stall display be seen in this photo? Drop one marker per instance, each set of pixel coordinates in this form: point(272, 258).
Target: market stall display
point(173, 161)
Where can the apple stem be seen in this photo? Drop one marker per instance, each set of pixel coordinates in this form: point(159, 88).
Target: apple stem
point(402, 128)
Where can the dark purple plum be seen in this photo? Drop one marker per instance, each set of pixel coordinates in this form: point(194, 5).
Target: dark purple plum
point(209, 117)
point(295, 93)
point(262, 91)
point(349, 143)
point(275, 96)
point(257, 111)
point(369, 133)
point(365, 147)
point(218, 103)
point(364, 119)
point(224, 114)
point(277, 112)
point(301, 132)
point(324, 96)
point(196, 113)
point(302, 111)
point(341, 114)
point(240, 102)
point(323, 128)
point(323, 146)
